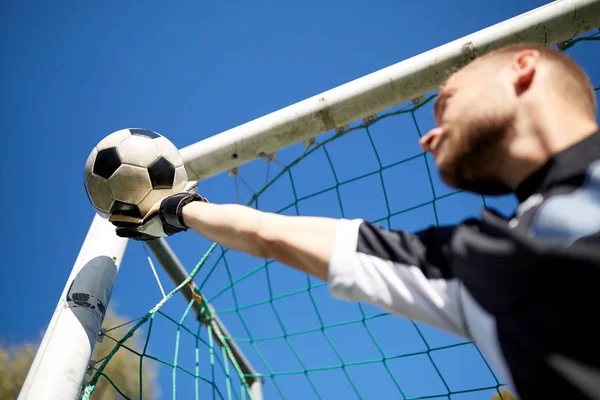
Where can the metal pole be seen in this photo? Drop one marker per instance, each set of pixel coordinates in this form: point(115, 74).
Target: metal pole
point(167, 258)
point(62, 359)
point(407, 80)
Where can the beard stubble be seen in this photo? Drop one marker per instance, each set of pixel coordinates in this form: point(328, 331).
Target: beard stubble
point(477, 156)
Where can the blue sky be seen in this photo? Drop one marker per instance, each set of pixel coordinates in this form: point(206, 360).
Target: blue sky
point(72, 72)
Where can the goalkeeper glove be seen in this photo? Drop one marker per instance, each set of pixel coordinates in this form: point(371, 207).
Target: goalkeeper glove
point(163, 219)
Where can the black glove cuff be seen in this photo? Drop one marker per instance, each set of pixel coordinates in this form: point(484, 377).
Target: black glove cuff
point(170, 211)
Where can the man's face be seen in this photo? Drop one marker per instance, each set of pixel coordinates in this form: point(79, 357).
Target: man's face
point(473, 112)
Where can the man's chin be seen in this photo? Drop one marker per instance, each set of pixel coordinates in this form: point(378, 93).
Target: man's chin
point(479, 186)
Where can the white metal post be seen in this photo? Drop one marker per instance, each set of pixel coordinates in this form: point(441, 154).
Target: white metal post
point(62, 359)
point(553, 23)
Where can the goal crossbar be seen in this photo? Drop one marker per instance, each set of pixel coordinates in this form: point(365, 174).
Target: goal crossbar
point(407, 80)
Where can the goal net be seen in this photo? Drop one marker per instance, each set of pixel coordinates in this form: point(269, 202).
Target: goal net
point(295, 339)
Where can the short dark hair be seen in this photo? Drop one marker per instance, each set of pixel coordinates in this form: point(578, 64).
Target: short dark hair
point(572, 81)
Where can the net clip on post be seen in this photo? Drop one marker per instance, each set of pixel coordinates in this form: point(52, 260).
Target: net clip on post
point(269, 157)
point(309, 142)
point(233, 171)
point(418, 101)
point(566, 44)
point(90, 367)
point(342, 129)
point(100, 335)
point(370, 119)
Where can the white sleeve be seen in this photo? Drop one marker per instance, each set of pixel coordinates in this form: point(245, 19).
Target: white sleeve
point(373, 265)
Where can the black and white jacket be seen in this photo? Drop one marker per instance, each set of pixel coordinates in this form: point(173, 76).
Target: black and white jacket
point(525, 289)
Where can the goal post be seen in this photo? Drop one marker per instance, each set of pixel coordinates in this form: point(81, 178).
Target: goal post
point(407, 80)
point(62, 359)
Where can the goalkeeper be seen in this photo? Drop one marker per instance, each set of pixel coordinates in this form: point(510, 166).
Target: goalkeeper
point(522, 120)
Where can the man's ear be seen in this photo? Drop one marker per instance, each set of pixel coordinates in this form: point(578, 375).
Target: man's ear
point(525, 64)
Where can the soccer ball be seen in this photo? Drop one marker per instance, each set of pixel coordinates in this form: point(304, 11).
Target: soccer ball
point(130, 170)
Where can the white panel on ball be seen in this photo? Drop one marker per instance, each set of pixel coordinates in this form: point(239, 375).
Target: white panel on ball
point(89, 164)
point(138, 150)
point(180, 179)
point(113, 139)
point(169, 151)
point(99, 193)
point(130, 184)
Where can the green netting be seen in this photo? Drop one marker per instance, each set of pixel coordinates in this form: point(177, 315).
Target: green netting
point(302, 343)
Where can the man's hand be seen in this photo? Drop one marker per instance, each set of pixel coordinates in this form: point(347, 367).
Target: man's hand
point(163, 219)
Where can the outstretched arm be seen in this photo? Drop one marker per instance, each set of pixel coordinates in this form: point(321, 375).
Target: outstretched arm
point(305, 243)
point(406, 274)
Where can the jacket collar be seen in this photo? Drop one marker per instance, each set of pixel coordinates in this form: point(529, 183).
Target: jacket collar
point(568, 164)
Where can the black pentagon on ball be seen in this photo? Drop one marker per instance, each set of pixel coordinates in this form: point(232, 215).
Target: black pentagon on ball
point(144, 132)
point(162, 174)
point(107, 162)
point(121, 208)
